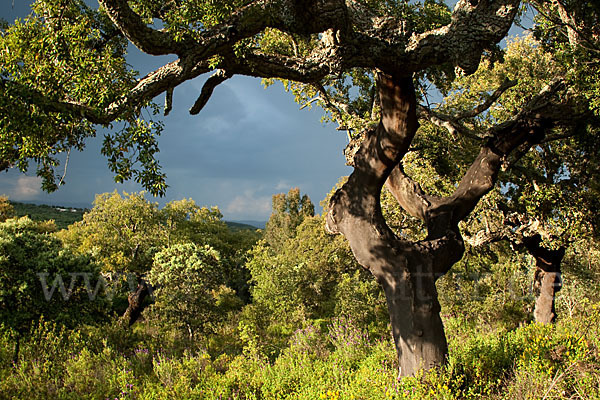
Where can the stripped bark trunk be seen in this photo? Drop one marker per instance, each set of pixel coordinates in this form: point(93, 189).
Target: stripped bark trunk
point(136, 304)
point(547, 279)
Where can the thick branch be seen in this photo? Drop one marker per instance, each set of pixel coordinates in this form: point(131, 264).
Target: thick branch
point(297, 69)
point(148, 87)
point(334, 55)
point(473, 29)
point(527, 128)
point(569, 22)
point(34, 96)
point(141, 35)
point(443, 214)
point(153, 84)
point(548, 260)
point(483, 238)
point(409, 194)
point(311, 16)
point(355, 209)
point(175, 73)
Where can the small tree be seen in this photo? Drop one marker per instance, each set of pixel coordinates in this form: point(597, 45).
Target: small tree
point(187, 222)
point(189, 288)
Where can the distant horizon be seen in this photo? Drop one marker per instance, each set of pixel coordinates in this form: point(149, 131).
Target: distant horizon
point(259, 223)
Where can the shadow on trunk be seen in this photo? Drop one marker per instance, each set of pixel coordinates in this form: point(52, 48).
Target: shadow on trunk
point(406, 270)
point(137, 303)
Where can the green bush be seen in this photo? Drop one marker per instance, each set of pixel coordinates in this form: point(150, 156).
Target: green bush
point(333, 360)
point(39, 277)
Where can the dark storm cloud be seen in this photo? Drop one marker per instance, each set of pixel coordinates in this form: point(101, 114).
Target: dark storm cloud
point(246, 131)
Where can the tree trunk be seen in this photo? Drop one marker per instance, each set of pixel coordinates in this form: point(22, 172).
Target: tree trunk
point(547, 279)
point(548, 283)
point(407, 270)
point(136, 303)
point(417, 328)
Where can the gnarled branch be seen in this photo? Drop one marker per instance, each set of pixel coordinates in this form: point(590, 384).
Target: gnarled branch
point(507, 84)
point(207, 89)
point(141, 35)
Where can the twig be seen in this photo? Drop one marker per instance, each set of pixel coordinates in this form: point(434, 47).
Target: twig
point(507, 84)
point(556, 379)
point(62, 178)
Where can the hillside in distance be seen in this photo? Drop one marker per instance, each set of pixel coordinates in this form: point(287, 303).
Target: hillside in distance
point(249, 224)
point(62, 216)
point(65, 216)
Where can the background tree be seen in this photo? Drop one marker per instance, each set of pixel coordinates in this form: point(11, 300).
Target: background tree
point(288, 211)
point(38, 277)
point(122, 233)
point(6, 209)
point(186, 221)
point(125, 232)
point(569, 30)
point(190, 293)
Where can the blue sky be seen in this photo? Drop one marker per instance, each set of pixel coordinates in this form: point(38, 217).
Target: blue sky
point(247, 144)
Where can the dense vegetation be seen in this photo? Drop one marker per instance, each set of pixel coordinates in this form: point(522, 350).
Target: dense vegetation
point(315, 326)
point(338, 362)
point(483, 243)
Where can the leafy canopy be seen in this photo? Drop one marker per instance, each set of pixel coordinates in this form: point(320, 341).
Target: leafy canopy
point(66, 50)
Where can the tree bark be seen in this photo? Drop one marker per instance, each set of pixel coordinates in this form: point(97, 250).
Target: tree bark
point(547, 279)
point(136, 303)
point(406, 271)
